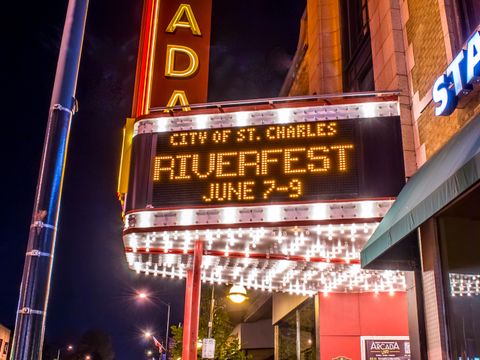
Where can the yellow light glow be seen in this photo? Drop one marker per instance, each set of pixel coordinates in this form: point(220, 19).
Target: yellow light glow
point(237, 294)
point(191, 23)
point(178, 96)
point(170, 71)
point(258, 169)
point(342, 156)
point(151, 57)
point(233, 164)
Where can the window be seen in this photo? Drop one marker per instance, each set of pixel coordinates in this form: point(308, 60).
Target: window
point(356, 46)
point(469, 13)
point(296, 333)
point(459, 230)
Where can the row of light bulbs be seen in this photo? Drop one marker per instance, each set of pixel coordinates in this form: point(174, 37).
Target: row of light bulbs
point(259, 117)
point(325, 241)
point(280, 275)
point(464, 284)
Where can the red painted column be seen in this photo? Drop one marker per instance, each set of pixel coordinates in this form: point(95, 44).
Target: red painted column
point(187, 314)
point(192, 304)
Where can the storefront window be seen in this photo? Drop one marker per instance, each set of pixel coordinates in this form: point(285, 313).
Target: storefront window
point(296, 333)
point(460, 250)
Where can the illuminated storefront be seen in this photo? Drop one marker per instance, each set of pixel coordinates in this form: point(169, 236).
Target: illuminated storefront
point(440, 205)
point(277, 195)
point(282, 200)
point(428, 52)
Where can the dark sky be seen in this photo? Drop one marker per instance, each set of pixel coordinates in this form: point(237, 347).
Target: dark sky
point(253, 42)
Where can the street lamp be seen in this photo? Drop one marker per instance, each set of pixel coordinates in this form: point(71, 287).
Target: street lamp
point(157, 343)
point(143, 295)
point(68, 348)
point(237, 294)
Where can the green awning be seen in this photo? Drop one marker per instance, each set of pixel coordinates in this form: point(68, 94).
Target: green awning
point(450, 172)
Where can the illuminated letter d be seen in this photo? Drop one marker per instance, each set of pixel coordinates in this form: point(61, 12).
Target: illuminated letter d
point(170, 64)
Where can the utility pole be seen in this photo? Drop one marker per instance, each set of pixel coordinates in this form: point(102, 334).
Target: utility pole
point(37, 271)
point(212, 309)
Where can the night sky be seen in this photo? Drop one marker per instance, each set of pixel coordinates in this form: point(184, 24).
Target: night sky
point(253, 42)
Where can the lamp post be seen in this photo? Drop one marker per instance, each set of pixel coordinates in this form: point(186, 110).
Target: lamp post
point(35, 287)
point(212, 308)
point(142, 295)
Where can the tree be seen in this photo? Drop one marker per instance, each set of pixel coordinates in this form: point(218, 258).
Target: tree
point(227, 346)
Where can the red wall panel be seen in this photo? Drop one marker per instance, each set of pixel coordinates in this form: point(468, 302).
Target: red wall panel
point(344, 318)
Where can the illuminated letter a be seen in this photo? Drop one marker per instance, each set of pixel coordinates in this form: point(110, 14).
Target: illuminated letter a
point(191, 23)
point(178, 96)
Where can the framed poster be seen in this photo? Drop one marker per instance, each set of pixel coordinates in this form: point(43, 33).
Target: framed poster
point(385, 347)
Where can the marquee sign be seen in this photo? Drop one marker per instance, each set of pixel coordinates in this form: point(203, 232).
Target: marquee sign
point(283, 193)
point(256, 164)
point(279, 162)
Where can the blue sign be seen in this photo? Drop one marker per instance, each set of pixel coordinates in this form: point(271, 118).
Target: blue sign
point(459, 77)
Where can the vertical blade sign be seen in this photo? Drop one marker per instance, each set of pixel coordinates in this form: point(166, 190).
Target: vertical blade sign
point(173, 55)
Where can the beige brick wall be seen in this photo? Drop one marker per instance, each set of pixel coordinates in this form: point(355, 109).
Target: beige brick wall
point(435, 131)
point(324, 54)
point(390, 69)
point(425, 34)
point(412, 44)
point(431, 38)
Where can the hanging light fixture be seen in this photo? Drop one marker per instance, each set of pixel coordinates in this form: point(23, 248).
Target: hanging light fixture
point(237, 294)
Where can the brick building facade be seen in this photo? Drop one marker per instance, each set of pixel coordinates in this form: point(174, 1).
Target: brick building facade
point(404, 46)
point(412, 42)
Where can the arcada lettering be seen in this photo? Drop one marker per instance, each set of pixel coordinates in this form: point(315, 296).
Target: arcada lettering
point(183, 18)
point(385, 346)
point(459, 77)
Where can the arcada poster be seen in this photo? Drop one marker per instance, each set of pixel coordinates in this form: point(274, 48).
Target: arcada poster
point(385, 347)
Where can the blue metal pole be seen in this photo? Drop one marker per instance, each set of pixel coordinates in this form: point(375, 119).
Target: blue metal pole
point(37, 271)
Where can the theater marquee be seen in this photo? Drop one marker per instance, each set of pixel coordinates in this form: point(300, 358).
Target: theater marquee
point(279, 162)
point(282, 193)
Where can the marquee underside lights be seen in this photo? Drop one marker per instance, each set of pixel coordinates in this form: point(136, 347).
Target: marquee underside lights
point(292, 259)
point(284, 256)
